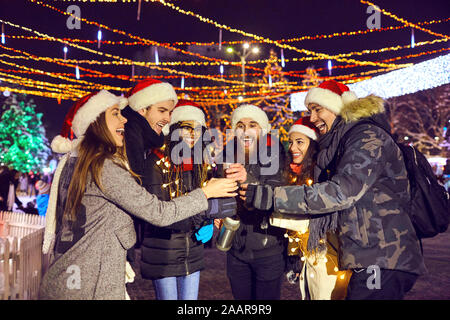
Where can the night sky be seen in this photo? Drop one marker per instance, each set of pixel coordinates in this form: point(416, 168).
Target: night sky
point(271, 19)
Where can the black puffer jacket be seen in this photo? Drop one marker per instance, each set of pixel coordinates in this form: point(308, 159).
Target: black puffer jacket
point(140, 138)
point(252, 239)
point(174, 250)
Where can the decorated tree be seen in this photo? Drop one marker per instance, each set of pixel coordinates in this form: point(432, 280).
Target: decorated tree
point(23, 145)
point(275, 97)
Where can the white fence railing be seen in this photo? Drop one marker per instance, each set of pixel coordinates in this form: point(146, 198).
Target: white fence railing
point(21, 259)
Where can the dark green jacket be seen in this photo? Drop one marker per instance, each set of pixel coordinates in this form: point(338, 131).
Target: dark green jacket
point(367, 185)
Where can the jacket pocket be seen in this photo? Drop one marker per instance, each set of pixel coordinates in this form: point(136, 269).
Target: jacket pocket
point(363, 226)
point(126, 235)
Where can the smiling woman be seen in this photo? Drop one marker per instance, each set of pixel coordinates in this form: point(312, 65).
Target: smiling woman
point(116, 124)
point(93, 194)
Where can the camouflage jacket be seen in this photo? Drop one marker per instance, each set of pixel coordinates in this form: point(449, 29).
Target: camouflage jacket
point(367, 185)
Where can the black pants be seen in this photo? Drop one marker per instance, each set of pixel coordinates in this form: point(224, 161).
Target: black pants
point(258, 279)
point(393, 285)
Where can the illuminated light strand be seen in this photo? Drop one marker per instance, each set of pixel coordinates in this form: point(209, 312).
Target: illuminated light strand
point(421, 76)
point(291, 73)
point(405, 22)
point(44, 87)
point(413, 55)
point(49, 74)
point(266, 40)
point(259, 61)
point(147, 41)
point(128, 60)
point(238, 42)
point(39, 93)
point(207, 20)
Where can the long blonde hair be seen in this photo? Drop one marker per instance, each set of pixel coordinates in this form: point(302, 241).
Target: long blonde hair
point(96, 146)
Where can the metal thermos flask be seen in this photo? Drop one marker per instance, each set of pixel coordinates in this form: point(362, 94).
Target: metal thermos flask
point(227, 232)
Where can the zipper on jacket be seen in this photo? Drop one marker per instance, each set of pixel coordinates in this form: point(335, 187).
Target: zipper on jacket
point(187, 254)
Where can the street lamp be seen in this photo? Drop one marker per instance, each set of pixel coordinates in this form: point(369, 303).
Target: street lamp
point(243, 56)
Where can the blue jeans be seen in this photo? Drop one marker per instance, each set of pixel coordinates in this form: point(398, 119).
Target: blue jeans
point(178, 288)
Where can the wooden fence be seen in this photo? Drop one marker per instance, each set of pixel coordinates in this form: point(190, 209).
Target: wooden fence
point(21, 259)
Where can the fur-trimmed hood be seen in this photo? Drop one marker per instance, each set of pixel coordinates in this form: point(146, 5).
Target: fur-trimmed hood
point(362, 108)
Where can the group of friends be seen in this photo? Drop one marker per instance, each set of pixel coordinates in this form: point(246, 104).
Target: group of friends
point(333, 211)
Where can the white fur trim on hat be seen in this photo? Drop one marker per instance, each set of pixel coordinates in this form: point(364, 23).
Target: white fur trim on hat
point(89, 112)
point(310, 133)
point(63, 145)
point(188, 113)
point(152, 94)
point(253, 112)
point(348, 97)
point(325, 98)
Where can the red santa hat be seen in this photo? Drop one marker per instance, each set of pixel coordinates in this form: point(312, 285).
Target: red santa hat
point(332, 95)
point(150, 91)
point(253, 112)
point(305, 126)
point(186, 110)
point(84, 112)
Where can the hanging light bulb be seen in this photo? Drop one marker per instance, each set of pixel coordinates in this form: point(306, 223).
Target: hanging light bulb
point(330, 66)
point(182, 82)
point(139, 10)
point(99, 38)
point(221, 69)
point(270, 80)
point(3, 33)
point(413, 43)
point(65, 52)
point(77, 72)
point(156, 56)
point(220, 39)
point(283, 64)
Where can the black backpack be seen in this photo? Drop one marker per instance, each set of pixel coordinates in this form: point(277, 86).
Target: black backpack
point(429, 204)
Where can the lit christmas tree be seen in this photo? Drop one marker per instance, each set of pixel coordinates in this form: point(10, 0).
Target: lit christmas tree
point(275, 97)
point(23, 145)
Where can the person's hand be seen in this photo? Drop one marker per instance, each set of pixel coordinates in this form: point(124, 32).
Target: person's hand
point(237, 172)
point(259, 196)
point(220, 188)
point(218, 223)
point(205, 233)
point(243, 191)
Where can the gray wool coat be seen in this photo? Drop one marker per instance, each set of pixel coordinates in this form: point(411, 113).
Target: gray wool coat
point(90, 254)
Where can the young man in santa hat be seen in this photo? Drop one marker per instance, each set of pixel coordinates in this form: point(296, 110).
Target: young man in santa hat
point(256, 260)
point(362, 192)
point(150, 105)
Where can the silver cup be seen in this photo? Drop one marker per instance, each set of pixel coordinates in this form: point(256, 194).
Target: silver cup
point(227, 232)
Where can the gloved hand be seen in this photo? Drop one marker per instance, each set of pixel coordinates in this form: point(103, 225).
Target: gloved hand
point(205, 233)
point(259, 196)
point(220, 208)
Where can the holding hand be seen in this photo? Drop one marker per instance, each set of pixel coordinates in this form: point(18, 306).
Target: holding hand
point(259, 196)
point(237, 172)
point(220, 188)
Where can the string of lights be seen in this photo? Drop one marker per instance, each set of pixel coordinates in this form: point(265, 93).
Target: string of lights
point(405, 22)
point(221, 26)
point(256, 61)
point(129, 61)
point(266, 40)
point(238, 42)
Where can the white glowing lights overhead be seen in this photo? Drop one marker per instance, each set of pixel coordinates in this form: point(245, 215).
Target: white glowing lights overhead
point(421, 76)
point(156, 56)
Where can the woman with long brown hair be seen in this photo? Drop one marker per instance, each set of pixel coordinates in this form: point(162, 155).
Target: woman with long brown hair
point(89, 228)
point(316, 272)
